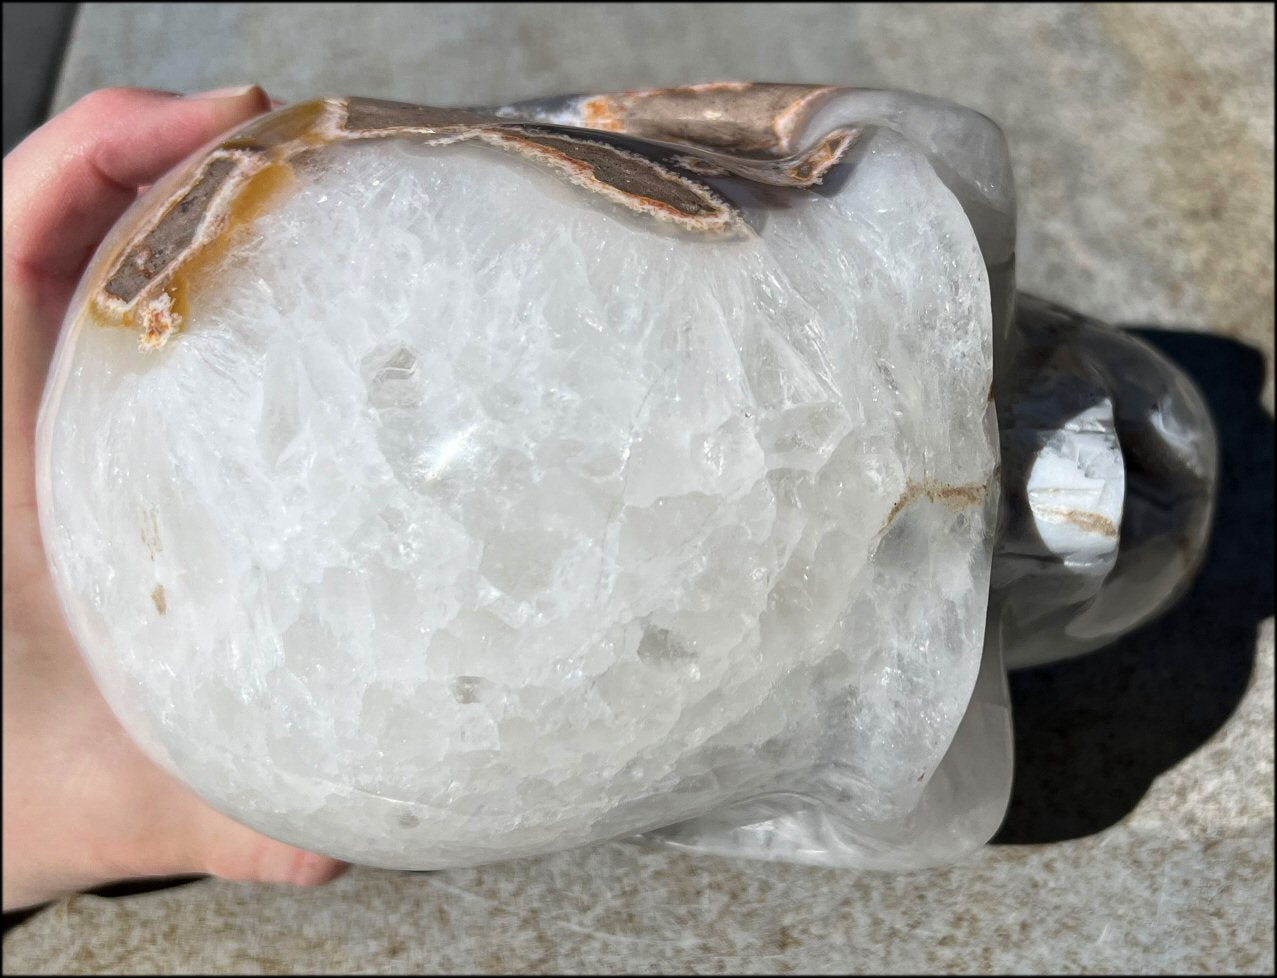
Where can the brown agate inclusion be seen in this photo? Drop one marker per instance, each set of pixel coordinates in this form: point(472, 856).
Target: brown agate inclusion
point(146, 284)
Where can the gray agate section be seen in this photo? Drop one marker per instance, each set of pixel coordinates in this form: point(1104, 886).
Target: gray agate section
point(1111, 466)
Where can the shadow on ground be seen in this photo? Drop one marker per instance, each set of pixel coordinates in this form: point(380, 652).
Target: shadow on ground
point(1092, 733)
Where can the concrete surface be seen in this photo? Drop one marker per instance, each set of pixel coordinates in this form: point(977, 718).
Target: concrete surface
point(1140, 832)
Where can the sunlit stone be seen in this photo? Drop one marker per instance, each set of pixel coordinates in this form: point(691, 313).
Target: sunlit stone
point(471, 513)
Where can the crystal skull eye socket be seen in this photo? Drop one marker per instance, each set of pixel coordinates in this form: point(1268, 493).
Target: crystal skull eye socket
point(426, 487)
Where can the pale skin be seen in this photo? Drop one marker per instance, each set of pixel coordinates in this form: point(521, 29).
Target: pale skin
point(82, 805)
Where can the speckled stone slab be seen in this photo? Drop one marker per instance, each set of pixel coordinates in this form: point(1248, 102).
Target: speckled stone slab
point(1140, 831)
point(1077, 906)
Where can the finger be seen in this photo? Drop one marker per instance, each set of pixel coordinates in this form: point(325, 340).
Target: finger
point(70, 180)
point(232, 851)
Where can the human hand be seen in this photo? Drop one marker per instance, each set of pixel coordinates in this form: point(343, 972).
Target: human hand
point(82, 805)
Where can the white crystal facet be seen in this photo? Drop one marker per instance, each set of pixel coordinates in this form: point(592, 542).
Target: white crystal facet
point(471, 516)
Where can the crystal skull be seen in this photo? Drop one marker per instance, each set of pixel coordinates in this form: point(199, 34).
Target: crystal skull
point(427, 487)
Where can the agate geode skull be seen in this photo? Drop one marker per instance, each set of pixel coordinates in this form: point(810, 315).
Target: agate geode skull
point(429, 486)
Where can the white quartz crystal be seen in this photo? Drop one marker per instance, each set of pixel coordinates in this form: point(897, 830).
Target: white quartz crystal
point(472, 516)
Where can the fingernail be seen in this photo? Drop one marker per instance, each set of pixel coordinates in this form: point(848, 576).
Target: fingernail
point(239, 92)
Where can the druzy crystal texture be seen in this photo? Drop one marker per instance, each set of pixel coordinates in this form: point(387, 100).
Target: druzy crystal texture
point(428, 487)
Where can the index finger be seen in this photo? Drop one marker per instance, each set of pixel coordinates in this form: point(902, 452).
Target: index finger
point(70, 180)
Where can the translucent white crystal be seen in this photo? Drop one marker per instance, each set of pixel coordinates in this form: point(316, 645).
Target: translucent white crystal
point(471, 516)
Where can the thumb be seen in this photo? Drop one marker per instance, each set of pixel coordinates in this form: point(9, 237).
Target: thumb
point(235, 852)
point(70, 180)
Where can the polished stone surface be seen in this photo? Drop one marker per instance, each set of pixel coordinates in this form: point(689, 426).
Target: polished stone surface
point(548, 525)
point(1139, 833)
